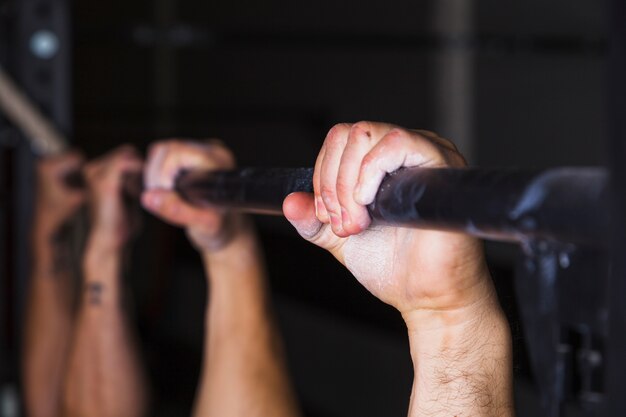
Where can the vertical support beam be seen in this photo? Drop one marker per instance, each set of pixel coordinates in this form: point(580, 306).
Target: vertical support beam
point(40, 58)
point(43, 57)
point(616, 362)
point(453, 21)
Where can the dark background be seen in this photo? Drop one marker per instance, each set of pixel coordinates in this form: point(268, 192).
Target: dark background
point(514, 84)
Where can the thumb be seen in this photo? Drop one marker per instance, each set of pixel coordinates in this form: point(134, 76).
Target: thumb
point(299, 209)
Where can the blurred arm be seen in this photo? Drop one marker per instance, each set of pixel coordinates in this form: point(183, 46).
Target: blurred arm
point(105, 376)
point(49, 320)
point(244, 372)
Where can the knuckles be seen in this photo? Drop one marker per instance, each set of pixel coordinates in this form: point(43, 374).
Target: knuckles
point(337, 133)
point(367, 162)
point(210, 152)
point(359, 133)
point(163, 147)
point(396, 138)
point(363, 126)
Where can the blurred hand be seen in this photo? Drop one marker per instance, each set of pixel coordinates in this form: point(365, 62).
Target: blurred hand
point(408, 268)
point(208, 229)
point(55, 201)
point(112, 220)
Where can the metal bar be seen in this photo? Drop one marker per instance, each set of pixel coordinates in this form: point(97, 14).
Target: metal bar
point(562, 204)
point(39, 130)
point(256, 190)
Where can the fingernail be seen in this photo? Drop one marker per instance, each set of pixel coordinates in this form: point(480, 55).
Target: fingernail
point(335, 221)
point(345, 217)
point(307, 229)
point(319, 207)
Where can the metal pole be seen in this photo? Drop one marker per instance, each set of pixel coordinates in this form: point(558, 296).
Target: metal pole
point(17, 107)
point(453, 20)
point(562, 204)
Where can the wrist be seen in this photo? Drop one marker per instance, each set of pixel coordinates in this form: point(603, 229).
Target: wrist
point(51, 252)
point(241, 251)
point(455, 309)
point(430, 330)
point(434, 331)
point(238, 240)
point(237, 272)
point(463, 359)
point(107, 238)
point(100, 251)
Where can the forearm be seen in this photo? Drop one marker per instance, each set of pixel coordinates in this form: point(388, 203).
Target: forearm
point(105, 376)
point(48, 324)
point(462, 362)
point(244, 370)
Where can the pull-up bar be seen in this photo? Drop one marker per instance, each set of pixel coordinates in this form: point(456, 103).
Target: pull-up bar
point(562, 204)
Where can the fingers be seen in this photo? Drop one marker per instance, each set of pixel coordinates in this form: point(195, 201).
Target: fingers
point(353, 162)
point(299, 209)
point(56, 199)
point(329, 168)
point(167, 158)
point(55, 170)
point(337, 168)
point(107, 178)
point(169, 206)
point(354, 216)
point(396, 149)
point(320, 209)
point(106, 173)
point(64, 162)
point(73, 161)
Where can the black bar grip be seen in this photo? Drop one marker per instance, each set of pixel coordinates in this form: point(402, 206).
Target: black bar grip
point(256, 190)
point(561, 204)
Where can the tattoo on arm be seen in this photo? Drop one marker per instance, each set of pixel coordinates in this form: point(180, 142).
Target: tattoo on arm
point(94, 292)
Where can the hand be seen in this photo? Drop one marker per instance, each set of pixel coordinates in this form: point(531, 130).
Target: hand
point(55, 201)
point(107, 178)
point(413, 270)
point(208, 229)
